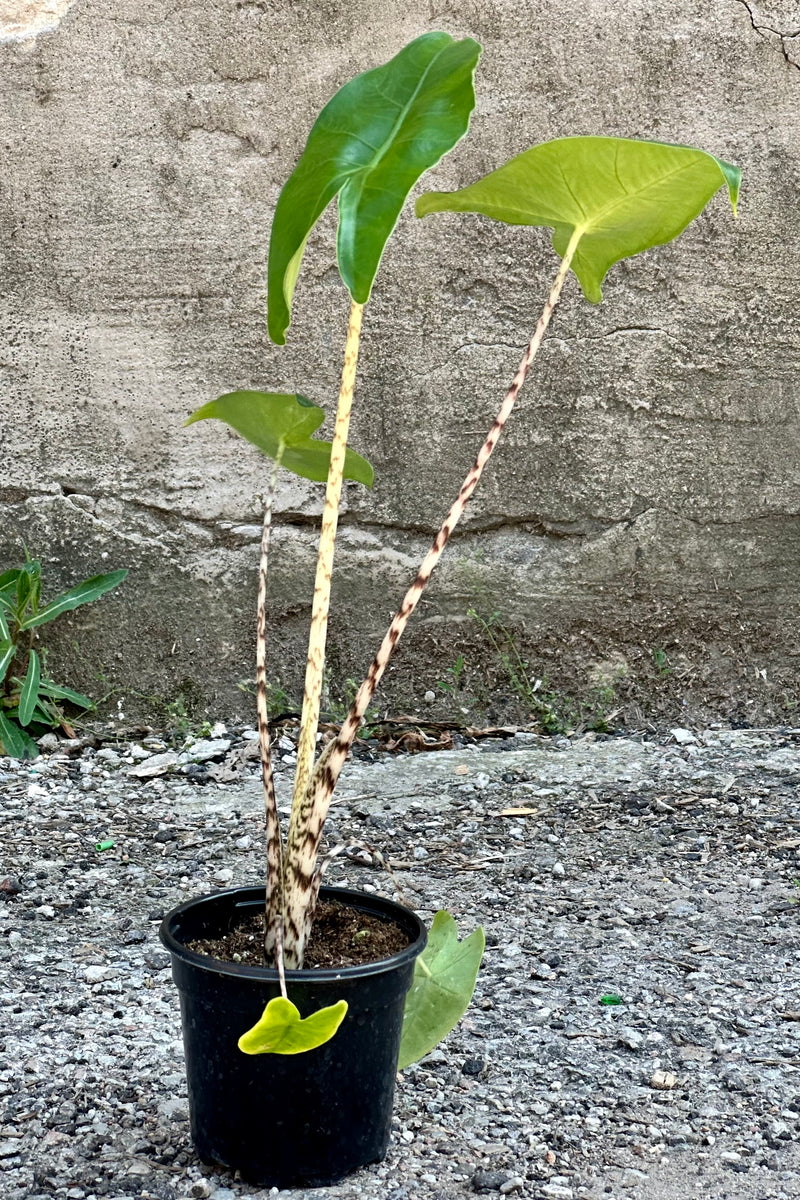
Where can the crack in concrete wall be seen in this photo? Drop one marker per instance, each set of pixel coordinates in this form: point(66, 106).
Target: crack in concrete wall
point(764, 29)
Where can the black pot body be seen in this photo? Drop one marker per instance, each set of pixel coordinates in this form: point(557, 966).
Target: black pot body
point(300, 1119)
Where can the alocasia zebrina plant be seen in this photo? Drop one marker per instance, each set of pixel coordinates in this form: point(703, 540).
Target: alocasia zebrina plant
point(368, 147)
point(605, 199)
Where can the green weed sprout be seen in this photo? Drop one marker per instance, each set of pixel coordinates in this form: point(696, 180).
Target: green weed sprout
point(29, 700)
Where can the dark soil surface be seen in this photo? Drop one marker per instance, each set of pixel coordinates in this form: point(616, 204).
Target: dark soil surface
point(341, 937)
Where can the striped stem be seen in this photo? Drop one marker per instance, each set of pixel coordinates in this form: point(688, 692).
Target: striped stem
point(274, 893)
point(318, 799)
point(296, 891)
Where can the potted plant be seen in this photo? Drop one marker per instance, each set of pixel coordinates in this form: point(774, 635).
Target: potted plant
point(260, 1038)
point(284, 1107)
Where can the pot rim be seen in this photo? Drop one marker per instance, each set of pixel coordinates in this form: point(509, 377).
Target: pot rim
point(363, 900)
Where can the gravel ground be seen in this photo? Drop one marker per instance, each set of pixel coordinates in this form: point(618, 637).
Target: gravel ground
point(661, 873)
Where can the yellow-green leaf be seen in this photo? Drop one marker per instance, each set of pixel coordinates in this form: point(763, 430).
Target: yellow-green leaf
point(281, 1029)
point(622, 195)
point(280, 425)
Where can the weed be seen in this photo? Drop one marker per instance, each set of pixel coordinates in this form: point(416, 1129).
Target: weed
point(338, 706)
point(279, 702)
point(598, 712)
point(661, 662)
point(552, 713)
point(454, 682)
point(180, 723)
point(30, 703)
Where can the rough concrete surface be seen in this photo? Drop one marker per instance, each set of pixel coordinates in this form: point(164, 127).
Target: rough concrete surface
point(646, 496)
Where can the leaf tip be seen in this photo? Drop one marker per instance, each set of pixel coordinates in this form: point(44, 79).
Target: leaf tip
point(733, 179)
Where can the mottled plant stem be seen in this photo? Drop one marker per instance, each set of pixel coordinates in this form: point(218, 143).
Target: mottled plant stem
point(317, 800)
point(274, 895)
point(297, 887)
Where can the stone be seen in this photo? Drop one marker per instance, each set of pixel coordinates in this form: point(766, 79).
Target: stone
point(488, 1181)
point(630, 1038)
point(99, 974)
point(207, 749)
point(155, 765)
point(663, 1080)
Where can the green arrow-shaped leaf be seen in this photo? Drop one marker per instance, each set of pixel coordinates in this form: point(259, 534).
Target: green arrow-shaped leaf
point(444, 980)
point(90, 589)
point(369, 145)
point(621, 195)
point(30, 689)
point(280, 426)
point(281, 1030)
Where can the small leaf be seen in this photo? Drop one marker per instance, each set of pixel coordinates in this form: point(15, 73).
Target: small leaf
point(311, 460)
point(7, 653)
point(53, 692)
point(444, 980)
point(90, 589)
point(280, 425)
point(369, 146)
point(8, 593)
point(623, 195)
point(15, 741)
point(281, 1030)
point(267, 419)
point(30, 689)
point(27, 590)
point(8, 579)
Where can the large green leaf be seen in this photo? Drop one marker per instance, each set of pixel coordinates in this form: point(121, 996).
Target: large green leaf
point(30, 689)
point(369, 145)
point(621, 195)
point(281, 1030)
point(15, 742)
point(280, 426)
point(90, 589)
point(444, 980)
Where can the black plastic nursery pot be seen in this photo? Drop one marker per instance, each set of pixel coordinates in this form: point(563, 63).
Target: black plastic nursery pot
point(299, 1119)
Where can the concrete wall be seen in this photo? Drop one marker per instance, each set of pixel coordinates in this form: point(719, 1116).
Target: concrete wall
point(647, 494)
